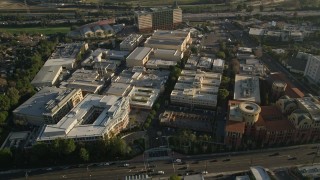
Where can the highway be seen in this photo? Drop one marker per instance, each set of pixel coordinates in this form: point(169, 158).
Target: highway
point(210, 16)
point(214, 164)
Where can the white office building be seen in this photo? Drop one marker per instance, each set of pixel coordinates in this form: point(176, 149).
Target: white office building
point(196, 89)
point(95, 117)
point(312, 70)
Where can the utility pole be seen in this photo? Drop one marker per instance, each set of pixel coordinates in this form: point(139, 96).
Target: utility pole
point(316, 154)
point(206, 166)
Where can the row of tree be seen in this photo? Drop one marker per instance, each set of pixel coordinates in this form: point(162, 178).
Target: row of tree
point(64, 151)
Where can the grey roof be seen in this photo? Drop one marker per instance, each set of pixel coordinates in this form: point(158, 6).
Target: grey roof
point(164, 41)
point(118, 88)
point(43, 101)
point(47, 74)
point(139, 53)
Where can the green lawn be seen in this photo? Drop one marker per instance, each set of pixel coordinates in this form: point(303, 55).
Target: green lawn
point(48, 30)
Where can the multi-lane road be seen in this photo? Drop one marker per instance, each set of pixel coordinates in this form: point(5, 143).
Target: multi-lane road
point(215, 165)
point(210, 16)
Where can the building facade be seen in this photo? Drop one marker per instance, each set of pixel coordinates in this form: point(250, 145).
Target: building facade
point(158, 18)
point(312, 70)
point(196, 89)
point(96, 117)
point(138, 57)
point(48, 106)
point(130, 42)
point(290, 121)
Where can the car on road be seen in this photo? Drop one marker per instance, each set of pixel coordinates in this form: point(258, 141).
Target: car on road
point(160, 172)
point(275, 154)
point(204, 172)
point(292, 158)
point(311, 153)
point(49, 169)
point(125, 165)
point(225, 160)
point(177, 161)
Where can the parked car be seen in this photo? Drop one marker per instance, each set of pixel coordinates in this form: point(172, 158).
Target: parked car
point(204, 172)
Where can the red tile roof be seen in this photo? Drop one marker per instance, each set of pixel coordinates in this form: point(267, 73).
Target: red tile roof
point(235, 126)
point(291, 90)
point(272, 119)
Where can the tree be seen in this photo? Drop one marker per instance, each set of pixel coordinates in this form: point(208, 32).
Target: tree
point(239, 7)
point(223, 46)
point(118, 147)
point(63, 146)
point(68, 146)
point(84, 154)
point(4, 103)
point(3, 116)
point(5, 157)
point(249, 9)
point(235, 66)
point(157, 106)
point(194, 50)
point(221, 55)
point(261, 8)
point(223, 94)
point(175, 177)
point(13, 95)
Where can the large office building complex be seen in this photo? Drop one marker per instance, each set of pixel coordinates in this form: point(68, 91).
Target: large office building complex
point(158, 18)
point(196, 89)
point(95, 117)
point(48, 106)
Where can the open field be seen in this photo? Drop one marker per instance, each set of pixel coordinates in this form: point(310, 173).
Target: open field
point(48, 30)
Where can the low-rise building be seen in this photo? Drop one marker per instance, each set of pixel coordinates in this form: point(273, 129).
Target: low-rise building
point(96, 117)
point(138, 57)
point(88, 81)
point(205, 64)
point(252, 67)
point(119, 89)
point(167, 54)
point(196, 89)
point(192, 63)
point(197, 122)
point(159, 64)
point(65, 55)
point(140, 77)
point(143, 98)
point(218, 65)
point(47, 76)
point(247, 88)
point(131, 42)
point(16, 140)
point(47, 106)
point(172, 40)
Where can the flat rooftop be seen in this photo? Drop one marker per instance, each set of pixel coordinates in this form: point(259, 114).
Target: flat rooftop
point(74, 124)
point(47, 74)
point(186, 120)
point(44, 101)
point(139, 53)
point(118, 89)
point(247, 88)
